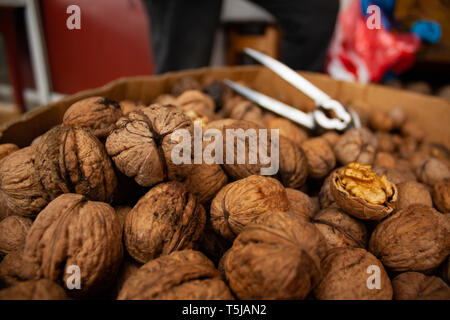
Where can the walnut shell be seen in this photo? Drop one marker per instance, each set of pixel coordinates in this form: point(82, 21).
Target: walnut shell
point(441, 195)
point(398, 116)
point(128, 106)
point(6, 149)
point(356, 145)
point(74, 231)
point(381, 121)
point(165, 99)
point(240, 202)
point(184, 84)
point(395, 175)
point(42, 289)
point(182, 275)
point(413, 239)
point(12, 269)
point(384, 159)
point(385, 142)
point(196, 105)
point(246, 110)
point(320, 157)
point(293, 169)
point(13, 231)
point(288, 129)
point(432, 171)
point(20, 190)
point(331, 137)
point(300, 203)
point(166, 219)
point(357, 197)
point(141, 144)
point(97, 113)
point(407, 148)
point(128, 268)
point(346, 276)
point(340, 229)
point(277, 257)
point(413, 192)
point(122, 212)
point(72, 160)
point(414, 130)
point(417, 286)
point(326, 198)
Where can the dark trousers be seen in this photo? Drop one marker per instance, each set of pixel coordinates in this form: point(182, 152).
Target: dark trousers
point(183, 31)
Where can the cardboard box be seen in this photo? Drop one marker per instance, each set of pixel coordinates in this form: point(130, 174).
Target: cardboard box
point(431, 112)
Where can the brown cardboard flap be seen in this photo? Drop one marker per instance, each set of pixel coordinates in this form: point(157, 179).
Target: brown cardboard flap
point(433, 113)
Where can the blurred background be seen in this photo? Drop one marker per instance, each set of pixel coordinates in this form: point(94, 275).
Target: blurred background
point(41, 59)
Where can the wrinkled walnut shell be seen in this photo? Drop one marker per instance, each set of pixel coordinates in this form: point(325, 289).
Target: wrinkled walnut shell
point(413, 239)
point(196, 105)
point(6, 149)
point(345, 276)
point(320, 157)
point(240, 202)
point(72, 160)
point(300, 203)
point(42, 289)
point(182, 275)
point(12, 269)
point(277, 257)
point(441, 195)
point(96, 113)
point(184, 84)
point(166, 219)
point(432, 171)
point(293, 169)
point(74, 231)
point(413, 192)
point(13, 231)
point(141, 144)
point(128, 106)
point(356, 145)
point(359, 207)
point(417, 286)
point(395, 175)
point(288, 129)
point(340, 229)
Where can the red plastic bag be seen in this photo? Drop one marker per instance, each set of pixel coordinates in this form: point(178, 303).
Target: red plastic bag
point(358, 53)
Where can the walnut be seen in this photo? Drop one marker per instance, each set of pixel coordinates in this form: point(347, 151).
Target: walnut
point(196, 105)
point(245, 110)
point(277, 257)
point(384, 159)
point(412, 129)
point(128, 106)
point(166, 219)
point(72, 231)
point(320, 157)
point(12, 269)
point(42, 289)
point(386, 142)
point(398, 116)
point(395, 175)
point(141, 144)
point(441, 195)
point(128, 268)
point(97, 113)
point(412, 239)
point(240, 202)
point(184, 84)
point(20, 190)
point(326, 198)
point(13, 231)
point(331, 137)
point(435, 150)
point(217, 90)
point(345, 276)
point(362, 193)
point(6, 149)
point(417, 286)
point(432, 171)
point(122, 212)
point(381, 121)
point(340, 229)
point(165, 99)
point(73, 160)
point(412, 192)
point(293, 169)
point(356, 145)
point(182, 275)
point(407, 148)
point(288, 129)
point(300, 203)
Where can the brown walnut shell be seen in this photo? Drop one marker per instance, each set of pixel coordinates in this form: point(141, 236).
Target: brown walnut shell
point(288, 129)
point(340, 229)
point(331, 137)
point(6, 149)
point(141, 144)
point(12, 269)
point(356, 145)
point(73, 160)
point(166, 219)
point(184, 84)
point(326, 198)
point(381, 121)
point(395, 175)
point(196, 105)
point(128, 106)
point(293, 166)
point(20, 191)
point(432, 171)
point(277, 257)
point(413, 239)
point(412, 129)
point(384, 159)
point(413, 192)
point(385, 141)
point(346, 273)
point(358, 206)
point(74, 231)
point(398, 116)
point(441, 195)
point(246, 110)
point(13, 231)
point(300, 203)
point(96, 113)
point(240, 202)
point(182, 275)
point(320, 157)
point(42, 289)
point(417, 286)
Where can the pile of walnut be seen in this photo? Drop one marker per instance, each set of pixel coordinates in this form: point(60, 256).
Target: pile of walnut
point(362, 215)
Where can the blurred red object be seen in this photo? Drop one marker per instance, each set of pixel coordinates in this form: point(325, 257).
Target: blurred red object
point(358, 53)
point(113, 42)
